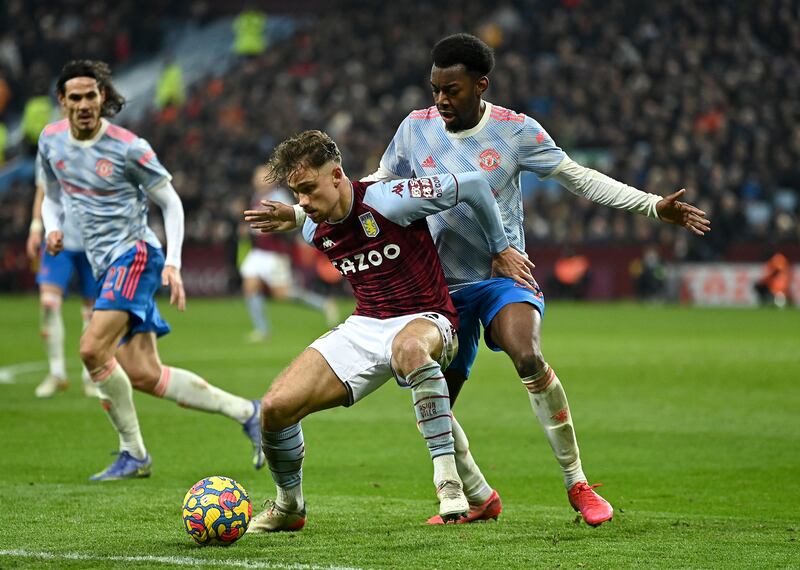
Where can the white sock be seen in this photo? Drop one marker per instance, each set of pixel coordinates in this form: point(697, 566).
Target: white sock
point(290, 498)
point(116, 396)
point(189, 390)
point(549, 402)
point(86, 316)
point(476, 488)
point(444, 469)
point(53, 334)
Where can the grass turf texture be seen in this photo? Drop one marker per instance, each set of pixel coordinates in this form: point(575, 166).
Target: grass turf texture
point(688, 416)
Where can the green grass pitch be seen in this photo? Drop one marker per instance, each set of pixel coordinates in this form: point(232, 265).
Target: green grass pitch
point(690, 418)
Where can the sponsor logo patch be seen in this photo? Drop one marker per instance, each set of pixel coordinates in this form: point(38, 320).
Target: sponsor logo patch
point(369, 224)
point(426, 188)
point(429, 162)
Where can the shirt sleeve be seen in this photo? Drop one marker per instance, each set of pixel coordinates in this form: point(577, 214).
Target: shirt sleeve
point(404, 201)
point(142, 166)
point(44, 172)
point(395, 162)
point(52, 209)
point(309, 229)
point(538, 152)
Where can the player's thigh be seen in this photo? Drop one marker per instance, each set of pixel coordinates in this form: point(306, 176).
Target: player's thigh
point(99, 340)
point(306, 386)
point(140, 360)
point(516, 329)
point(50, 293)
point(251, 286)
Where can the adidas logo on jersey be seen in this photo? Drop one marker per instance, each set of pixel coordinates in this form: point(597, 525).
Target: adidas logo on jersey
point(327, 243)
point(429, 163)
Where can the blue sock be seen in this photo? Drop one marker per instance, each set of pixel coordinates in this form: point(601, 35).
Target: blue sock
point(255, 305)
point(432, 406)
point(285, 451)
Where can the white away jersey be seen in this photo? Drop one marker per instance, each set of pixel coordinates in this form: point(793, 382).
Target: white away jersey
point(72, 235)
point(102, 183)
point(500, 146)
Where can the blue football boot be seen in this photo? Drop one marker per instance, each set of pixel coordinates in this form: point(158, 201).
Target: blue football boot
point(252, 429)
point(125, 466)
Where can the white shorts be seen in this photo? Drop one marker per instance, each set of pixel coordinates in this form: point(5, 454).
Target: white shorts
point(360, 350)
point(274, 269)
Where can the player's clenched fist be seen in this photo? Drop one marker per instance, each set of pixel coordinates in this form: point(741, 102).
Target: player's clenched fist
point(55, 242)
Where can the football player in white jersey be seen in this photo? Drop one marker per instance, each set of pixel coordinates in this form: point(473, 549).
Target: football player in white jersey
point(463, 132)
point(104, 175)
point(54, 276)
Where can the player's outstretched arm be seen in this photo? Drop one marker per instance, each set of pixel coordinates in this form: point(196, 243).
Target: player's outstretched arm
point(404, 201)
point(275, 217)
point(673, 211)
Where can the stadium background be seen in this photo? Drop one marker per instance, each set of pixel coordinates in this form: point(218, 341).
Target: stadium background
point(702, 95)
point(687, 415)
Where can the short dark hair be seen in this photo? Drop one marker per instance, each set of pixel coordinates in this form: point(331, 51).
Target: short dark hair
point(100, 72)
point(465, 49)
point(309, 149)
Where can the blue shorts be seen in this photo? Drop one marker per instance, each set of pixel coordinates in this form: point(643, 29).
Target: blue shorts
point(58, 270)
point(478, 304)
point(130, 285)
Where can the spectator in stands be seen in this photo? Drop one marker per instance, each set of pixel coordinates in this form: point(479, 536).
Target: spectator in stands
point(773, 287)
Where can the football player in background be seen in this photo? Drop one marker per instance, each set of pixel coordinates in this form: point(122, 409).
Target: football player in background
point(269, 263)
point(53, 277)
point(104, 175)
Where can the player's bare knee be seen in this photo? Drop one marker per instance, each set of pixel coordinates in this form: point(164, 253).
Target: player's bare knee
point(275, 413)
point(408, 353)
point(529, 363)
point(92, 352)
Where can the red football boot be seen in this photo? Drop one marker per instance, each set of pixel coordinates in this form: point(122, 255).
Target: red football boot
point(594, 509)
point(489, 509)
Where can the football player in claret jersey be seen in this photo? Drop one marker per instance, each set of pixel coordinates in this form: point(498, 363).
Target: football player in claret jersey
point(103, 175)
point(463, 132)
point(404, 322)
point(269, 263)
point(54, 276)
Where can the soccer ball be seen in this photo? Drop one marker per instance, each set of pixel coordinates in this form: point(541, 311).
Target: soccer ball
point(216, 510)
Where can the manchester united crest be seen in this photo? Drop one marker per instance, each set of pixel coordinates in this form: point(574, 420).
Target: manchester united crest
point(369, 224)
point(104, 168)
point(489, 159)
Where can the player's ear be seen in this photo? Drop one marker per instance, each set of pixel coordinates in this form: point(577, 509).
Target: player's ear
point(482, 85)
point(337, 174)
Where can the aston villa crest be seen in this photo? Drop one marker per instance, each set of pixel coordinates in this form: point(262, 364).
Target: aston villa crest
point(369, 224)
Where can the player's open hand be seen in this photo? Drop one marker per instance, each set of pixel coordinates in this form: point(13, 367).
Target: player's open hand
point(513, 264)
point(33, 244)
point(55, 242)
point(171, 277)
point(275, 217)
point(671, 210)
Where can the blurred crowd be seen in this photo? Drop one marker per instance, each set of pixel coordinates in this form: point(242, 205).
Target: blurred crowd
point(697, 94)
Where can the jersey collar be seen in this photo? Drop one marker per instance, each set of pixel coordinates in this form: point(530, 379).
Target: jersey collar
point(487, 112)
point(90, 142)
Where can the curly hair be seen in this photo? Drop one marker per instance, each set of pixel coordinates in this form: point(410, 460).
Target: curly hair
point(100, 72)
point(465, 49)
point(309, 149)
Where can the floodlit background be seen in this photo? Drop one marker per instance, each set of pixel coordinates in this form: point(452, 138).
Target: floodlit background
point(685, 406)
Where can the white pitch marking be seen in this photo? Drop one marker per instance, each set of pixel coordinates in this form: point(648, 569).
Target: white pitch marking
point(7, 373)
point(174, 560)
